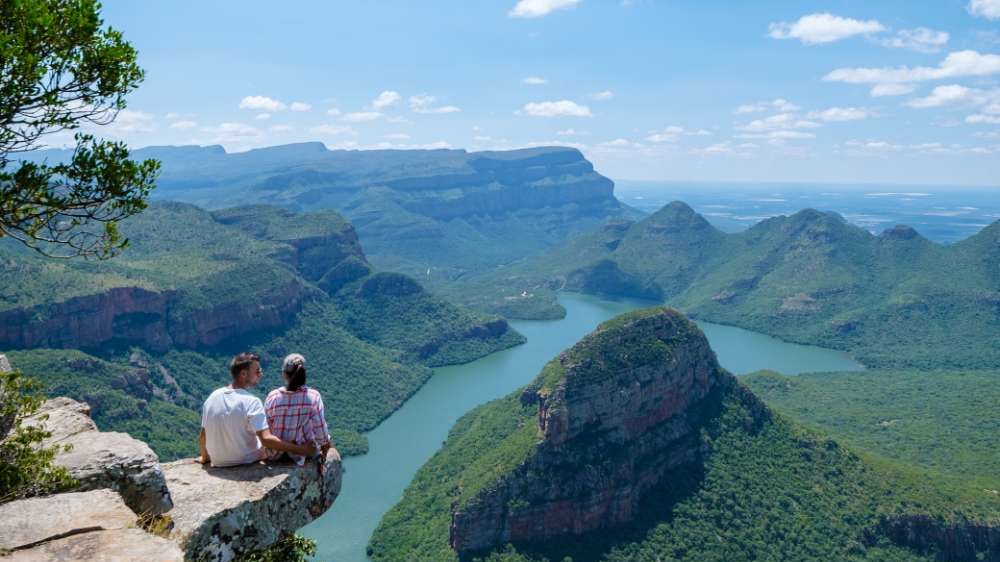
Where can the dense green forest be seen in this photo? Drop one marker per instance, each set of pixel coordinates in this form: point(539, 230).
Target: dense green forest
point(370, 338)
point(893, 300)
point(769, 489)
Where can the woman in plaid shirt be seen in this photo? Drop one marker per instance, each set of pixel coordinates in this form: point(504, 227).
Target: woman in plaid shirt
point(295, 411)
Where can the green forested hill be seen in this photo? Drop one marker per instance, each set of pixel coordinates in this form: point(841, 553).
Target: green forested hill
point(943, 421)
point(896, 299)
point(765, 488)
point(258, 278)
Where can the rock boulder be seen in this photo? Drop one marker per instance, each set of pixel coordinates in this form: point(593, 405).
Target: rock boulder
point(100, 459)
point(94, 525)
point(220, 513)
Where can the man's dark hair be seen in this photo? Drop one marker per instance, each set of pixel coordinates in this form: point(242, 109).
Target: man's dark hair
point(242, 362)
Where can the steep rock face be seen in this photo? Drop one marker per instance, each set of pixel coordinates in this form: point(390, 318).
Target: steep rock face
point(100, 460)
point(138, 316)
point(616, 413)
point(220, 513)
point(123, 313)
point(954, 541)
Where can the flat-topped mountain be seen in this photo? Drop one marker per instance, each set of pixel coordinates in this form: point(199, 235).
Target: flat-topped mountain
point(635, 445)
point(144, 337)
point(895, 299)
point(439, 214)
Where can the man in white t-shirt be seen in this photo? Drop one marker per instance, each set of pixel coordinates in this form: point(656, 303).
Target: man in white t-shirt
point(233, 423)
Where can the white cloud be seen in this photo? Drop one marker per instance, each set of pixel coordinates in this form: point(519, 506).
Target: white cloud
point(388, 98)
point(424, 103)
point(955, 65)
point(263, 116)
point(945, 95)
point(569, 133)
point(397, 136)
point(331, 130)
point(718, 148)
point(237, 133)
point(921, 39)
point(333, 111)
point(361, 116)
point(982, 119)
point(673, 132)
point(779, 104)
point(539, 8)
point(989, 9)
point(299, 106)
point(781, 121)
point(561, 108)
point(817, 29)
point(183, 125)
point(602, 96)
point(262, 103)
point(780, 135)
point(885, 90)
point(534, 81)
point(839, 114)
point(129, 121)
point(280, 128)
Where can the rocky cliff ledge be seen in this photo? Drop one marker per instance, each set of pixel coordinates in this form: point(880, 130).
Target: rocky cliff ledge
point(616, 413)
point(207, 514)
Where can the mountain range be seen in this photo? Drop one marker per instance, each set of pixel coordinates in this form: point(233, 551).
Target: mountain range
point(893, 300)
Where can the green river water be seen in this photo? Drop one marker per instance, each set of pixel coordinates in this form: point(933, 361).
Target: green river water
point(373, 483)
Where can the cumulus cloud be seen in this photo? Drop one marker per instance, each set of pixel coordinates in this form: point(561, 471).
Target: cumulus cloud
point(921, 39)
point(816, 29)
point(955, 65)
point(331, 130)
point(946, 95)
point(570, 133)
point(839, 114)
point(885, 90)
point(263, 116)
point(183, 125)
point(300, 106)
point(561, 108)
point(539, 8)
point(602, 96)
point(781, 121)
point(779, 104)
point(534, 81)
point(989, 9)
point(674, 132)
point(238, 134)
point(128, 121)
point(388, 98)
point(280, 128)
point(262, 103)
point(983, 119)
point(361, 116)
point(424, 103)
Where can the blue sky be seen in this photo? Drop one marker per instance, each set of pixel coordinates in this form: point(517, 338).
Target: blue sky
point(836, 91)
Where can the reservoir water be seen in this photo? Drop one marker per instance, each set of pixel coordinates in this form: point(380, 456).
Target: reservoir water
point(373, 483)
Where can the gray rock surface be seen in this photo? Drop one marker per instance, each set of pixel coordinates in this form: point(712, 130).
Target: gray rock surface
point(119, 545)
point(24, 523)
point(105, 459)
point(220, 513)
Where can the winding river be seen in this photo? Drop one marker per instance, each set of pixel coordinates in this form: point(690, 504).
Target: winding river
point(373, 483)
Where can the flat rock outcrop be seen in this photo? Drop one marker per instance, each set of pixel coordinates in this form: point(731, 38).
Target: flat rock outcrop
point(220, 513)
point(94, 525)
point(99, 459)
point(616, 414)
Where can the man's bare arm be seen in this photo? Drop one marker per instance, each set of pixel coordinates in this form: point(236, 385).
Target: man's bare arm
point(204, 459)
point(268, 440)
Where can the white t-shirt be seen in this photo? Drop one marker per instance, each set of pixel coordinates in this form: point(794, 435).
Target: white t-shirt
point(231, 418)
